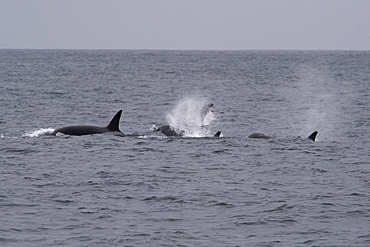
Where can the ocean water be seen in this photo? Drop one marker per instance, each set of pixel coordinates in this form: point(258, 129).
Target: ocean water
point(149, 190)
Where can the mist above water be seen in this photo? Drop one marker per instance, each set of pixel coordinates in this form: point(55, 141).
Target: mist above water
point(186, 116)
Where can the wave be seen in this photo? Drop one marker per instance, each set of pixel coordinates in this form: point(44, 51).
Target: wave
point(38, 132)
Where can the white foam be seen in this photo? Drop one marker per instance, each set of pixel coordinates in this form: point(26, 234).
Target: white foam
point(38, 132)
point(186, 116)
point(154, 128)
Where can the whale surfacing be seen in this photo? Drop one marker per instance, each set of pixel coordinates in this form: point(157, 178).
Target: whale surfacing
point(311, 137)
point(78, 130)
point(259, 135)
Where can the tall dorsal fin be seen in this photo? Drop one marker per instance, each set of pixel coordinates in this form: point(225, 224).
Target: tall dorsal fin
point(313, 136)
point(114, 123)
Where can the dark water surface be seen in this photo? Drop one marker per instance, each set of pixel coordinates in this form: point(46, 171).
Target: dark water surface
point(150, 190)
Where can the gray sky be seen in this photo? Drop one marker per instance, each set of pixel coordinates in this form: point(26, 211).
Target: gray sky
point(185, 24)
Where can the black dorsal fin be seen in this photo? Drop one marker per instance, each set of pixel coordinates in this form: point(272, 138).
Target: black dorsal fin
point(218, 133)
point(313, 136)
point(114, 123)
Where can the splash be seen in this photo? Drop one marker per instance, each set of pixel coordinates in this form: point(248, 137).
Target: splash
point(38, 132)
point(186, 116)
point(318, 99)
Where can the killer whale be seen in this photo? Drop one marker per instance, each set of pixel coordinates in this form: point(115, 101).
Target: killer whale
point(78, 130)
point(312, 137)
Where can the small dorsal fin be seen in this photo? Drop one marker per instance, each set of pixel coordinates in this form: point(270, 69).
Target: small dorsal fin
point(114, 123)
point(218, 134)
point(313, 136)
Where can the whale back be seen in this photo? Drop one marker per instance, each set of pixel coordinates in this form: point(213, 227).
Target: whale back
point(78, 130)
point(259, 135)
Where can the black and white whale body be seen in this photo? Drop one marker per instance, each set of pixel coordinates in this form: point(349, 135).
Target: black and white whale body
point(312, 137)
point(78, 130)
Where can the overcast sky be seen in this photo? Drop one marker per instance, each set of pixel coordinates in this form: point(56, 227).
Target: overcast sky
point(185, 24)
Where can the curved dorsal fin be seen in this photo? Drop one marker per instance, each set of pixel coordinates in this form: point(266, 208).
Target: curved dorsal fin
point(114, 123)
point(313, 136)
